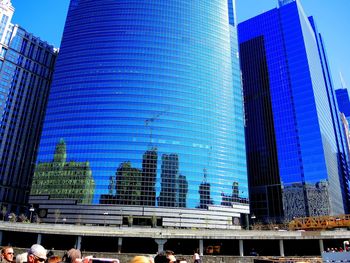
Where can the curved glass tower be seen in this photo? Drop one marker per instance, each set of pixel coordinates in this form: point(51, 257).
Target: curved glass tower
point(144, 96)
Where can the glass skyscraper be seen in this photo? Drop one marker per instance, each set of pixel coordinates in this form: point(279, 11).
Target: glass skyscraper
point(26, 66)
point(343, 101)
point(148, 93)
point(297, 160)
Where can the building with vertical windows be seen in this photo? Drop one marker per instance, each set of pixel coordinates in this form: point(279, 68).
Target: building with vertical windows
point(343, 101)
point(297, 160)
point(149, 93)
point(26, 65)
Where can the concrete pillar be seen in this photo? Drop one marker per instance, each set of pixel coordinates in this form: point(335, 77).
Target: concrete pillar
point(0, 238)
point(281, 248)
point(201, 250)
point(78, 242)
point(160, 243)
point(321, 245)
point(38, 240)
point(241, 248)
point(120, 243)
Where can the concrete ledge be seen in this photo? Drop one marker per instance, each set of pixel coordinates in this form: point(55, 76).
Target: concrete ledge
point(167, 233)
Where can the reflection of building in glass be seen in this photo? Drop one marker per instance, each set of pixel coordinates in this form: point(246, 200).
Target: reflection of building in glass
point(229, 200)
point(168, 79)
point(182, 191)
point(64, 180)
point(128, 185)
point(293, 131)
point(169, 181)
point(26, 66)
point(204, 193)
point(149, 176)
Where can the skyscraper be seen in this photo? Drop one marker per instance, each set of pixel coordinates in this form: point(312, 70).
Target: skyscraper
point(297, 163)
point(26, 65)
point(133, 77)
point(343, 101)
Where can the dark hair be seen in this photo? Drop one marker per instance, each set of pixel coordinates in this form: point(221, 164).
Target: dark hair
point(161, 258)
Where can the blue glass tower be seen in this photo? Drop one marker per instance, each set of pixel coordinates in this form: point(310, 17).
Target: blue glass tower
point(151, 87)
point(295, 145)
point(343, 101)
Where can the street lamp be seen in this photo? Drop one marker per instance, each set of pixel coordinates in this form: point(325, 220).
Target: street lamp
point(121, 217)
point(180, 214)
point(64, 220)
point(105, 214)
point(31, 213)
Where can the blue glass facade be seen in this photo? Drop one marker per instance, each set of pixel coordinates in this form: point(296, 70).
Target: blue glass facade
point(146, 92)
point(343, 101)
point(292, 134)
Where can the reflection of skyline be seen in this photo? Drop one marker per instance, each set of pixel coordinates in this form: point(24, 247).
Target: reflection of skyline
point(204, 193)
point(64, 180)
point(169, 180)
point(128, 184)
point(137, 186)
point(229, 200)
point(149, 177)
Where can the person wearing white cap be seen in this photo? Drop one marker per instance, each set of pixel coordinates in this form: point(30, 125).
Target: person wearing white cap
point(36, 254)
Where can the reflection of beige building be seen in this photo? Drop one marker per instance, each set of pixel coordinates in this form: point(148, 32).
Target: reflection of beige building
point(64, 180)
point(346, 129)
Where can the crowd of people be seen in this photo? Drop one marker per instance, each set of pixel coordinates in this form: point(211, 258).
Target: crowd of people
point(38, 254)
point(335, 249)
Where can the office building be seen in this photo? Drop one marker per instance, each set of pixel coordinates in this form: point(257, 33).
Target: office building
point(297, 162)
point(343, 101)
point(149, 94)
point(26, 66)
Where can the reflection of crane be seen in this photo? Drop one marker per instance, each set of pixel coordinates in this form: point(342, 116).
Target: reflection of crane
point(148, 123)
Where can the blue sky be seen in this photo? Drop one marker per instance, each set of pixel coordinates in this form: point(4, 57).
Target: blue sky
point(45, 19)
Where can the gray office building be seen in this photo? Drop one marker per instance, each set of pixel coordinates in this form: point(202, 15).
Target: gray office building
point(26, 66)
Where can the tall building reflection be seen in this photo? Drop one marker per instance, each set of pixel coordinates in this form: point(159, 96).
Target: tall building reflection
point(149, 177)
point(204, 193)
point(60, 179)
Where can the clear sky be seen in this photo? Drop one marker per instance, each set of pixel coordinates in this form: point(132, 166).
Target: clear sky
point(45, 19)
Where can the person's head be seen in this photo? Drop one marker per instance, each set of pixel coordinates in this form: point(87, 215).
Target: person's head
point(161, 258)
point(72, 255)
point(21, 257)
point(181, 260)
point(36, 254)
point(7, 253)
point(54, 259)
point(140, 259)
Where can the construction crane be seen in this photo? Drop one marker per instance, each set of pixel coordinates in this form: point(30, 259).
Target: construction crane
point(148, 123)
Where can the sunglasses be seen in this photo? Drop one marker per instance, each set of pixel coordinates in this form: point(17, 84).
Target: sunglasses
point(10, 253)
point(39, 259)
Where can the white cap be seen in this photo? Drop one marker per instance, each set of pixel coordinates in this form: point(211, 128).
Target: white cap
point(38, 251)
